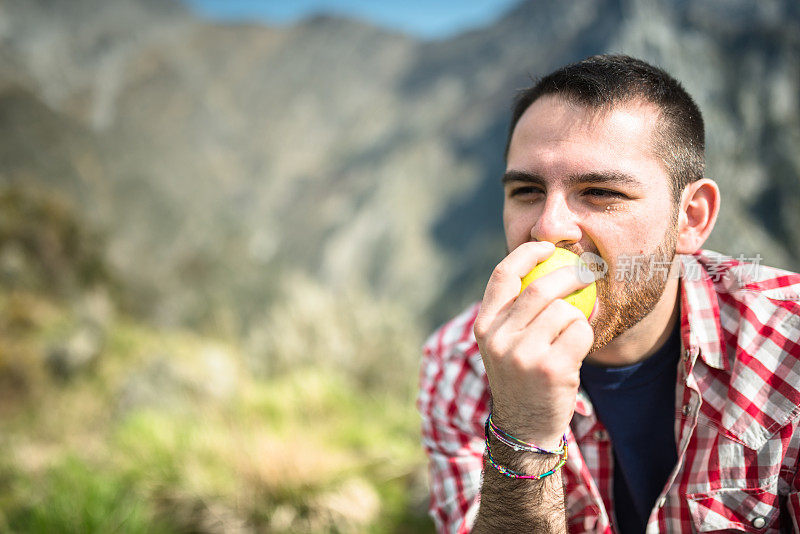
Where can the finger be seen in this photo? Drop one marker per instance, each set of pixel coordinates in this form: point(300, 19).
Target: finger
point(506, 279)
point(541, 293)
point(556, 317)
point(538, 340)
point(576, 339)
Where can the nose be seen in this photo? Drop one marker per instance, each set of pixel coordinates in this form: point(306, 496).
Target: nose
point(557, 223)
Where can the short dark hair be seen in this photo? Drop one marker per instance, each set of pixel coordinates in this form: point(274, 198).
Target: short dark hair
point(606, 80)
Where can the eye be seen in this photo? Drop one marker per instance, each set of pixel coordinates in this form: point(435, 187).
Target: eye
point(524, 191)
point(604, 193)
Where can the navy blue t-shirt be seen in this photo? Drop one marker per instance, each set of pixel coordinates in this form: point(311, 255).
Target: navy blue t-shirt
point(636, 404)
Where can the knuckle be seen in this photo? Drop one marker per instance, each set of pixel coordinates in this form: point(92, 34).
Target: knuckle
point(535, 290)
point(563, 311)
point(584, 328)
point(525, 363)
point(577, 315)
point(500, 272)
point(584, 334)
point(495, 348)
point(548, 372)
point(563, 308)
point(572, 381)
point(480, 329)
point(574, 315)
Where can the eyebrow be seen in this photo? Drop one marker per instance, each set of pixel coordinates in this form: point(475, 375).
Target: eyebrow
point(596, 178)
point(522, 176)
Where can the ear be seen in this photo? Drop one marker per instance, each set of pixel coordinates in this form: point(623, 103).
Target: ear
point(698, 212)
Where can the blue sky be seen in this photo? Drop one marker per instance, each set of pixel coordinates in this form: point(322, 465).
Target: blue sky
point(428, 19)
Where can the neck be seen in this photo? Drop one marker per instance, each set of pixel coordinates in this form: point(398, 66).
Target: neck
point(645, 337)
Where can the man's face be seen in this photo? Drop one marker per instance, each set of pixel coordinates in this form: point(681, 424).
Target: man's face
point(589, 181)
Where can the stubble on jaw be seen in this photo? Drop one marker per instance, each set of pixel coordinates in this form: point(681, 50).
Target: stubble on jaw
point(623, 308)
point(636, 297)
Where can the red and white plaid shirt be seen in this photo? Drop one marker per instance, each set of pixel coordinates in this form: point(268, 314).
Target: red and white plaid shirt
point(736, 415)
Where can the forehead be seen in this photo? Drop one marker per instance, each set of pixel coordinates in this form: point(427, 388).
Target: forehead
point(556, 136)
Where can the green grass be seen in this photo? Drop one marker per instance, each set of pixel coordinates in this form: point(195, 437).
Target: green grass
point(311, 449)
point(73, 497)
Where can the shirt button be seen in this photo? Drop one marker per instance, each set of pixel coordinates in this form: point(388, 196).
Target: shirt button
point(759, 522)
point(687, 409)
point(687, 354)
point(662, 501)
point(600, 435)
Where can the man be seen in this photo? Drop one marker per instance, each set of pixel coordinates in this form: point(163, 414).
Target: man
point(679, 399)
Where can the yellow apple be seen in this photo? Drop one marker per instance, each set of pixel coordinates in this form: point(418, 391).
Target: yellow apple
point(583, 299)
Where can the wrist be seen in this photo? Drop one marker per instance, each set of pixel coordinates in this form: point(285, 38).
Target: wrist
point(517, 444)
point(532, 468)
point(543, 439)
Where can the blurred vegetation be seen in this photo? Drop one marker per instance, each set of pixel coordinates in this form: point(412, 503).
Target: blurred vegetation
point(44, 244)
point(109, 424)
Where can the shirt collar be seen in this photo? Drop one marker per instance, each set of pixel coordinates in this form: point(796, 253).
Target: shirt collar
point(701, 332)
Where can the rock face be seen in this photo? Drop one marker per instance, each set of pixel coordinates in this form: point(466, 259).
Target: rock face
point(218, 157)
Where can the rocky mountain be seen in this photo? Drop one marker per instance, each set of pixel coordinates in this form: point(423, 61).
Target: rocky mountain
point(217, 158)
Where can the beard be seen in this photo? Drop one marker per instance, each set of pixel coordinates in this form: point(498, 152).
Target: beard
point(628, 299)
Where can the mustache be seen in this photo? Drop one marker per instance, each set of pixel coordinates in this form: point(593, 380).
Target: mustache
point(574, 249)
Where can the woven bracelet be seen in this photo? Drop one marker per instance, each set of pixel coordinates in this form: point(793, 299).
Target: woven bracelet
point(517, 444)
point(516, 474)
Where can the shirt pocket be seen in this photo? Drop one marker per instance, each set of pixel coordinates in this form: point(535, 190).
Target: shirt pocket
point(735, 509)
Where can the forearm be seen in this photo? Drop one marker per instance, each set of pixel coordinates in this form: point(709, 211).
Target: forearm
point(532, 343)
point(519, 505)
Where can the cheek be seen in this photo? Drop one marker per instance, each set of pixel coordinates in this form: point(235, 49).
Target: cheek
point(635, 243)
point(517, 227)
point(649, 235)
point(612, 241)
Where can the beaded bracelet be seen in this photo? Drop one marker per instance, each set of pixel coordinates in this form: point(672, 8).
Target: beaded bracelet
point(515, 474)
point(518, 444)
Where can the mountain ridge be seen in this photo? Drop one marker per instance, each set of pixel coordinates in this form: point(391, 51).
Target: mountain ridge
point(363, 157)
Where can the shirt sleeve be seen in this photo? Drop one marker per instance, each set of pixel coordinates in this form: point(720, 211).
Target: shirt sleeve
point(452, 403)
